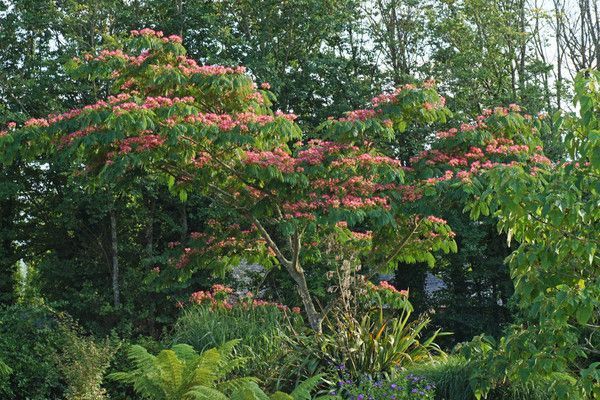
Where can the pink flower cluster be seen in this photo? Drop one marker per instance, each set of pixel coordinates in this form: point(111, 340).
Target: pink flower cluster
point(385, 285)
point(277, 158)
point(201, 159)
point(368, 235)
point(356, 184)
point(68, 139)
point(317, 151)
point(391, 97)
point(41, 122)
point(541, 159)
point(410, 193)
point(119, 103)
point(105, 55)
point(158, 34)
point(221, 297)
point(366, 159)
point(190, 67)
point(326, 202)
point(140, 143)
point(436, 220)
point(359, 115)
point(227, 122)
point(152, 103)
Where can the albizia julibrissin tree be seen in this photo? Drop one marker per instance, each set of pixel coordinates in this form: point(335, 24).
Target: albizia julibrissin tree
point(209, 130)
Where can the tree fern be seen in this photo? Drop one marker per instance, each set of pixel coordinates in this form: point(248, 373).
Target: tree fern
point(204, 393)
point(249, 391)
point(180, 373)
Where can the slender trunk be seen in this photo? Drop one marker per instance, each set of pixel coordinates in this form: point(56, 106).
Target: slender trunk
point(115, 260)
point(150, 229)
point(180, 17)
point(558, 19)
point(523, 50)
point(315, 319)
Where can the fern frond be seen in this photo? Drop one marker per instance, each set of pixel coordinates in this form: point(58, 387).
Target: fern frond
point(250, 391)
point(185, 353)
point(210, 357)
point(203, 376)
point(232, 385)
point(302, 391)
point(229, 361)
point(140, 357)
point(226, 349)
point(204, 393)
point(281, 396)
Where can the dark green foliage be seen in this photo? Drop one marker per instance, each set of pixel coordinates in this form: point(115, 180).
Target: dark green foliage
point(29, 344)
point(451, 379)
point(45, 355)
point(478, 283)
point(182, 373)
point(267, 336)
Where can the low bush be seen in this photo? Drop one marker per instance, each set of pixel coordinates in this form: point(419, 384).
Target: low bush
point(378, 334)
point(180, 373)
point(46, 356)
point(451, 378)
point(30, 342)
point(270, 335)
point(83, 363)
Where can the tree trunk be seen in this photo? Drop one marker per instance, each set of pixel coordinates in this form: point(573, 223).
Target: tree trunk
point(315, 319)
point(150, 229)
point(558, 34)
point(115, 260)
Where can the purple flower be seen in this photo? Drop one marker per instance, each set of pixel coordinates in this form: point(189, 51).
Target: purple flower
point(393, 386)
point(414, 391)
point(360, 397)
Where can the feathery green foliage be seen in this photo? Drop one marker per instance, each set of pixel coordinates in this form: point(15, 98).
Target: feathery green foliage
point(180, 373)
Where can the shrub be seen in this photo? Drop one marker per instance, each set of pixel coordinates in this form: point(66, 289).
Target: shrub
point(29, 344)
point(120, 362)
point(83, 363)
point(451, 379)
point(382, 338)
point(44, 355)
point(182, 373)
point(271, 334)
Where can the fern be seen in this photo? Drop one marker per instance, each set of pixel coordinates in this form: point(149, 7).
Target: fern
point(182, 374)
point(281, 396)
point(302, 391)
point(249, 391)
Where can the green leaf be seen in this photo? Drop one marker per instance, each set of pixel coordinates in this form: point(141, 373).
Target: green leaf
point(584, 313)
